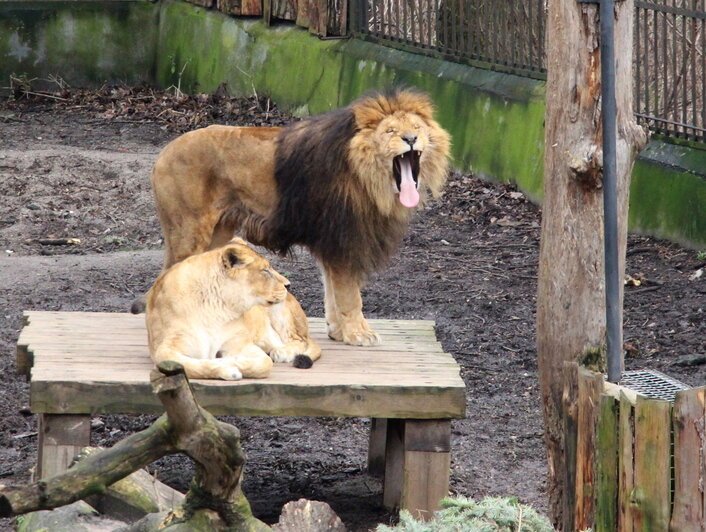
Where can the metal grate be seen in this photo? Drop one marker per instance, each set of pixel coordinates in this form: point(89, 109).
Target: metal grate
point(653, 384)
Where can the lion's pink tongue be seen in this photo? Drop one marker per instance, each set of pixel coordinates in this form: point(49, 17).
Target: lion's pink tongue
point(409, 197)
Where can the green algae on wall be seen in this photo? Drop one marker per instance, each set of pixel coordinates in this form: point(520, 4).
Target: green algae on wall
point(200, 49)
point(83, 43)
point(668, 194)
point(495, 121)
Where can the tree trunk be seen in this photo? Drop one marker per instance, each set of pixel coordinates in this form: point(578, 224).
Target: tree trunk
point(184, 428)
point(571, 284)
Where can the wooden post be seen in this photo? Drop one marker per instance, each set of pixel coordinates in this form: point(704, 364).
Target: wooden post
point(427, 463)
point(607, 465)
point(571, 415)
point(590, 388)
point(394, 463)
point(689, 461)
point(626, 472)
point(376, 447)
point(61, 437)
point(652, 465)
point(571, 295)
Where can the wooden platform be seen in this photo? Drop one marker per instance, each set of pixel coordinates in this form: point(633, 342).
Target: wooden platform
point(86, 363)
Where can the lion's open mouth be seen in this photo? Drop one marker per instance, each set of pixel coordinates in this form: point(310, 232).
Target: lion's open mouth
point(405, 168)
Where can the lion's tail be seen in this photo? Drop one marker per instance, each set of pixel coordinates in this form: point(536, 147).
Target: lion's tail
point(310, 355)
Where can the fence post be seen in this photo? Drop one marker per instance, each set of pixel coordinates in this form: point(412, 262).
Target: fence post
point(652, 465)
point(607, 465)
point(626, 471)
point(689, 461)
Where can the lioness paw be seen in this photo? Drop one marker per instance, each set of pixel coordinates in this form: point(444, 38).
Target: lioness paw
point(229, 373)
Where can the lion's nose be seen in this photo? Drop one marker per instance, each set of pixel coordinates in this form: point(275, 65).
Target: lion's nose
point(410, 138)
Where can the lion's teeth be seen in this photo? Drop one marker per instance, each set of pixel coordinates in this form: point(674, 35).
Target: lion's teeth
point(402, 156)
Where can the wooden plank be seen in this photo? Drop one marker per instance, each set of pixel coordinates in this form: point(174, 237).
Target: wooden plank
point(60, 439)
point(689, 513)
point(252, 398)
point(230, 7)
point(570, 411)
point(284, 9)
point(251, 8)
point(394, 464)
point(652, 465)
point(376, 447)
point(590, 388)
point(303, 13)
point(318, 15)
point(113, 317)
point(607, 465)
point(626, 472)
point(427, 463)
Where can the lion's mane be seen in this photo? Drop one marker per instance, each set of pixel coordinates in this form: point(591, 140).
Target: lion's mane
point(334, 192)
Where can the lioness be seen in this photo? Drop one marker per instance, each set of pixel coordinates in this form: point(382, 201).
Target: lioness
point(226, 314)
point(344, 184)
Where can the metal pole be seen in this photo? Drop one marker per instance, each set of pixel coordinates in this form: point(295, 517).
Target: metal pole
point(610, 192)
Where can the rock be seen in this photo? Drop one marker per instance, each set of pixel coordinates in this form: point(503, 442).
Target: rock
point(135, 496)
point(76, 517)
point(312, 516)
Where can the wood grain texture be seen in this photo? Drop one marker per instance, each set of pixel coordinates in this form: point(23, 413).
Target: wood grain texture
point(607, 465)
point(590, 388)
point(99, 363)
point(60, 440)
point(652, 466)
point(626, 467)
point(688, 514)
point(571, 289)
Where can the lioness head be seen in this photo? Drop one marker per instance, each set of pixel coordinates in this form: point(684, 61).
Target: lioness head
point(256, 282)
point(397, 137)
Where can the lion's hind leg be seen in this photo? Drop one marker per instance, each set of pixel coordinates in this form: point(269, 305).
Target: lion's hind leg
point(198, 368)
point(252, 361)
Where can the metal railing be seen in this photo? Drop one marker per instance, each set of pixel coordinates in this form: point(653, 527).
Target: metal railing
point(503, 35)
point(670, 67)
point(669, 62)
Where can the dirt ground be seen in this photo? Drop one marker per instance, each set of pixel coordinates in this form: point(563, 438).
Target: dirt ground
point(78, 167)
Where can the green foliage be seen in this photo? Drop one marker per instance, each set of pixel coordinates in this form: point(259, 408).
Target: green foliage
point(492, 514)
point(701, 255)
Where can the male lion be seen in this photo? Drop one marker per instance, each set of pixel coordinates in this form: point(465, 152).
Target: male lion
point(221, 312)
point(344, 184)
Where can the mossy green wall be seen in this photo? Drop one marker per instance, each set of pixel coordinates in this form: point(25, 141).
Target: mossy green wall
point(496, 120)
point(83, 43)
point(668, 194)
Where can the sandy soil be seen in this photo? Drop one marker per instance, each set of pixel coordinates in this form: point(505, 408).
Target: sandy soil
point(80, 169)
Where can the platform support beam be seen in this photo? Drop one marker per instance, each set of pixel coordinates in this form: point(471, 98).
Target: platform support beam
point(61, 437)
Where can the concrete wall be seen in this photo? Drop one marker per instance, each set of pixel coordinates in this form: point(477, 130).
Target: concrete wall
point(85, 43)
point(496, 120)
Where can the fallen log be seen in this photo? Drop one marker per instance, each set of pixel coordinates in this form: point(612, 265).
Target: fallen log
point(184, 428)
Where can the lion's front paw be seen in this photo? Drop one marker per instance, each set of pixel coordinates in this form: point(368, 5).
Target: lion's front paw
point(282, 354)
point(359, 334)
point(229, 371)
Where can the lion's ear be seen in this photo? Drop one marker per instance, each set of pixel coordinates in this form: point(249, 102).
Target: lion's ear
point(231, 259)
point(238, 240)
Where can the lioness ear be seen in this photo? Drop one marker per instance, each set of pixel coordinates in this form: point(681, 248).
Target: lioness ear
point(231, 259)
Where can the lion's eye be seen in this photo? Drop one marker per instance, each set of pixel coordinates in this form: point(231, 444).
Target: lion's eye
point(391, 130)
point(417, 126)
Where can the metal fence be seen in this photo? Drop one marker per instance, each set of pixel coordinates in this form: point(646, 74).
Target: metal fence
point(670, 66)
point(507, 35)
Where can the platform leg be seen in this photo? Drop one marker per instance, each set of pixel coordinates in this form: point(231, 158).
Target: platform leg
point(61, 437)
point(427, 463)
point(394, 464)
point(376, 447)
